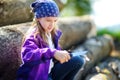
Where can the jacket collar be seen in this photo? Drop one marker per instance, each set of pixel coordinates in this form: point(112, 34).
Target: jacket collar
point(55, 40)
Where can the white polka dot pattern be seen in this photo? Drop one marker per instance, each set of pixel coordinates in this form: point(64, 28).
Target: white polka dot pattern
point(45, 8)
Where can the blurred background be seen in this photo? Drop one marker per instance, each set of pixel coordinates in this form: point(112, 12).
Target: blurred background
point(105, 14)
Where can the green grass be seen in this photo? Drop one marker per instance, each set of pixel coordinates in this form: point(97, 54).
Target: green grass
point(115, 35)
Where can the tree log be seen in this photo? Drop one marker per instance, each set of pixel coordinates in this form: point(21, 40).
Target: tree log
point(60, 4)
point(106, 70)
point(15, 11)
point(98, 49)
point(10, 44)
point(75, 30)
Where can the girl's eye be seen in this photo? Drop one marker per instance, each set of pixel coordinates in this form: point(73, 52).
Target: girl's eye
point(55, 21)
point(51, 21)
point(48, 21)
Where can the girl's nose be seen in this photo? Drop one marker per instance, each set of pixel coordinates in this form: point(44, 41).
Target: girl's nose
point(52, 24)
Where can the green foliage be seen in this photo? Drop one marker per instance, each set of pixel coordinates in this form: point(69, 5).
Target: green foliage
point(77, 8)
point(115, 35)
point(83, 6)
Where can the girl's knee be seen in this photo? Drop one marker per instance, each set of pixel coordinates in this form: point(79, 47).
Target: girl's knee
point(79, 61)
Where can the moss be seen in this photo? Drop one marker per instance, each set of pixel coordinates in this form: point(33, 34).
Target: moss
point(114, 34)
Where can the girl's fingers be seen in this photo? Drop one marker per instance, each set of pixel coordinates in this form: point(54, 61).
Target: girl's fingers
point(69, 57)
point(66, 57)
point(62, 56)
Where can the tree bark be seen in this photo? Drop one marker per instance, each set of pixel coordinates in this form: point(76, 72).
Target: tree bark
point(60, 4)
point(75, 30)
point(10, 59)
point(15, 11)
point(98, 49)
point(107, 70)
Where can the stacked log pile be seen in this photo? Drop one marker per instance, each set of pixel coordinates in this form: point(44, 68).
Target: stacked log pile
point(79, 33)
point(107, 70)
point(98, 49)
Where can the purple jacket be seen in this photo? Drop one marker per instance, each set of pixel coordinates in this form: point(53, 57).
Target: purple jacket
point(33, 52)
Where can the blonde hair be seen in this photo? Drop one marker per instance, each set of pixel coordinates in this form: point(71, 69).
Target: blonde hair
point(40, 31)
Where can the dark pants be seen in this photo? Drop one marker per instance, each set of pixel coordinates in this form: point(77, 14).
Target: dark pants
point(68, 70)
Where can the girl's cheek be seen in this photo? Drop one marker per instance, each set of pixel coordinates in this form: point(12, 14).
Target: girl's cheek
point(48, 24)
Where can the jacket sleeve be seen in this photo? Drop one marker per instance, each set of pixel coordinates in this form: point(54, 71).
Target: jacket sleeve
point(59, 47)
point(31, 52)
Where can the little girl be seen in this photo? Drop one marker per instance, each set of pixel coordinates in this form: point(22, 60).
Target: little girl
point(41, 55)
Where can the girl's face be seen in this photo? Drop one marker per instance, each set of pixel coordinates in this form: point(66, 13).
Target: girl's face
point(48, 23)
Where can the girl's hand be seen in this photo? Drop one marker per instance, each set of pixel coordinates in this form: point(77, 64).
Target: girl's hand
point(62, 56)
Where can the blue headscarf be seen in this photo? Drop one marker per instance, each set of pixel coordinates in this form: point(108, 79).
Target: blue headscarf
point(45, 8)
